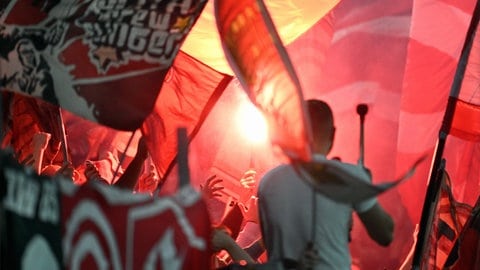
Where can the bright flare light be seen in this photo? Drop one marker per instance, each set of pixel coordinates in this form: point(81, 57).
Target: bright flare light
point(252, 123)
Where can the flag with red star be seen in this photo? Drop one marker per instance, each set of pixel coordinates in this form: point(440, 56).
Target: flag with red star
point(103, 60)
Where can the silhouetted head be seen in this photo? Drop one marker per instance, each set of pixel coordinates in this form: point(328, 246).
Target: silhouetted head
point(323, 128)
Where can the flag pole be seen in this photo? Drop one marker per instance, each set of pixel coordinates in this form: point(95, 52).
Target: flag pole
point(435, 177)
point(2, 115)
point(63, 137)
point(182, 158)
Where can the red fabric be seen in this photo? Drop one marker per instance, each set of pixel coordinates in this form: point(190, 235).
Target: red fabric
point(437, 34)
point(262, 65)
point(102, 225)
point(466, 121)
point(188, 93)
point(26, 117)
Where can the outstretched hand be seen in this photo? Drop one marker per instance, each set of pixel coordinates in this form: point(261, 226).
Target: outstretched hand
point(248, 179)
point(149, 182)
point(92, 173)
point(67, 170)
point(212, 187)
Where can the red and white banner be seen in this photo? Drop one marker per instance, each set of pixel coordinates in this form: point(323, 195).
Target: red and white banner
point(53, 224)
point(107, 227)
point(103, 60)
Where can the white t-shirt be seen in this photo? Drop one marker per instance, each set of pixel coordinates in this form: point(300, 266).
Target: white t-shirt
point(286, 206)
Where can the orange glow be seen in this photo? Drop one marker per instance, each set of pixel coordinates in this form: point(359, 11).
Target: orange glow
point(251, 123)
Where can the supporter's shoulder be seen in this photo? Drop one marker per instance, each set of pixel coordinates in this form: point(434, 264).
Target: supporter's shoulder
point(358, 171)
point(349, 165)
point(274, 174)
point(344, 167)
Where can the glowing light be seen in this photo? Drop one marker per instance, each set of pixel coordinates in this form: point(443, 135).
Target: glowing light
point(252, 123)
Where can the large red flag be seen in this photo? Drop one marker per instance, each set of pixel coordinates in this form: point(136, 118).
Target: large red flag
point(462, 147)
point(189, 92)
point(103, 60)
point(258, 58)
point(437, 34)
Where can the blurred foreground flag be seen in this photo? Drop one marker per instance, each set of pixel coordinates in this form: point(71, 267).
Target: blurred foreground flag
point(102, 60)
point(259, 60)
point(51, 223)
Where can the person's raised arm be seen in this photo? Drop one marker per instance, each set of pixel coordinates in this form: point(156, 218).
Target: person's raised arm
point(221, 240)
point(379, 224)
point(129, 178)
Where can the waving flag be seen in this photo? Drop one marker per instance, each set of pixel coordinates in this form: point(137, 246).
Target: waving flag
point(188, 94)
point(261, 63)
point(437, 34)
point(292, 18)
point(463, 89)
point(103, 60)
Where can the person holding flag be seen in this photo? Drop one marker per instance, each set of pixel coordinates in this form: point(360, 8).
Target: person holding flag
point(304, 228)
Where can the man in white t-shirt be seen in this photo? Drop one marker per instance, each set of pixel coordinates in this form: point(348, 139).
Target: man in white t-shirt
point(296, 220)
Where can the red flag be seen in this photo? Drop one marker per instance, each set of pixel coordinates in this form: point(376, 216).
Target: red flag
point(456, 148)
point(103, 60)
point(189, 92)
point(261, 63)
point(437, 34)
point(465, 147)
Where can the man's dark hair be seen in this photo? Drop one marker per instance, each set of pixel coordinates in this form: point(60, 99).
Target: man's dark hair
point(321, 119)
